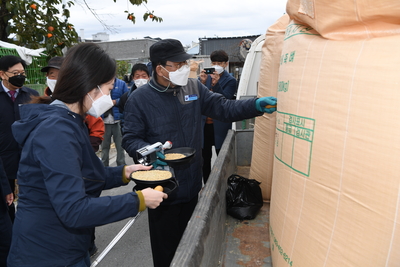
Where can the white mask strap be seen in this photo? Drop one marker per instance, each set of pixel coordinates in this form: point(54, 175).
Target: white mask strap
point(98, 87)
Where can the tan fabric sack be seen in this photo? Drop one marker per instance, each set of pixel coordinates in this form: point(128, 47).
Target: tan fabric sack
point(336, 177)
point(348, 19)
point(264, 129)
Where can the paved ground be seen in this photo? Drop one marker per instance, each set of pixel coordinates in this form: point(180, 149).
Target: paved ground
point(133, 249)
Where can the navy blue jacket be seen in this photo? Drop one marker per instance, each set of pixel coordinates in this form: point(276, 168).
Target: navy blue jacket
point(60, 180)
point(175, 115)
point(227, 86)
point(9, 113)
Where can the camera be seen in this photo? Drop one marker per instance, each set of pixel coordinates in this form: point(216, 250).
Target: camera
point(209, 70)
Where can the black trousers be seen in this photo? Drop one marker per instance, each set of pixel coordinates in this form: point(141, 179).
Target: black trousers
point(167, 224)
point(207, 150)
point(5, 235)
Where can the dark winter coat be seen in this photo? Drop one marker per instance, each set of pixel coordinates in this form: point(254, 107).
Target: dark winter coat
point(9, 113)
point(226, 86)
point(122, 101)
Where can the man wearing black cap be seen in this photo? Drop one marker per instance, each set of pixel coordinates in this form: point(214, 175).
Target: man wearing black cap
point(170, 108)
point(52, 69)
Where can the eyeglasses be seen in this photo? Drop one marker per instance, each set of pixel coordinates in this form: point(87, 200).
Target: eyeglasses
point(178, 65)
point(15, 73)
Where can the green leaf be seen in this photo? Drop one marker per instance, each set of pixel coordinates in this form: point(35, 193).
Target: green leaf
point(66, 13)
point(137, 2)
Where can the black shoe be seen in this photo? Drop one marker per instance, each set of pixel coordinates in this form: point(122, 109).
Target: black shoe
point(93, 251)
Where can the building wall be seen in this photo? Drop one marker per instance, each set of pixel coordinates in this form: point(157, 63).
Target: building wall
point(131, 50)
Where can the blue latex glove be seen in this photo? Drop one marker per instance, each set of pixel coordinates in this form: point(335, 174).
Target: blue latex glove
point(159, 162)
point(262, 102)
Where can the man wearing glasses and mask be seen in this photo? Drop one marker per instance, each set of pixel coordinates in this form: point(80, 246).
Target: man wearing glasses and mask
point(170, 108)
point(12, 94)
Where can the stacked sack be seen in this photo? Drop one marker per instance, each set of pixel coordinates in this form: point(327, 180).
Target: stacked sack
point(264, 129)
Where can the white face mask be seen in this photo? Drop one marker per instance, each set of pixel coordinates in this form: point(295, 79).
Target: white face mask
point(100, 105)
point(51, 84)
point(218, 68)
point(180, 76)
point(140, 82)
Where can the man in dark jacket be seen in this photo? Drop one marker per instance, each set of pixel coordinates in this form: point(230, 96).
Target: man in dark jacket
point(12, 94)
point(170, 108)
point(214, 130)
point(139, 76)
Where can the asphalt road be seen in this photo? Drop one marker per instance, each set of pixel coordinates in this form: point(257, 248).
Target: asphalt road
point(133, 249)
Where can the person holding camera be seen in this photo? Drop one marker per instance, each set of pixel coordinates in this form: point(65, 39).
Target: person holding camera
point(218, 80)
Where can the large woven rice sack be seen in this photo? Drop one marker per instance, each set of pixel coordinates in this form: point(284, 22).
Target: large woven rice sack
point(348, 19)
point(336, 177)
point(264, 129)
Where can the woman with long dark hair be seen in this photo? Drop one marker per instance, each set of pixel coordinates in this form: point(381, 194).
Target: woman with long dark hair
point(60, 177)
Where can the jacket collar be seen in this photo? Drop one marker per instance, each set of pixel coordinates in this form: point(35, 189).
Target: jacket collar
point(156, 86)
point(23, 88)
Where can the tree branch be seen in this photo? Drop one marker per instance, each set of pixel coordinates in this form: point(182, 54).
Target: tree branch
point(109, 28)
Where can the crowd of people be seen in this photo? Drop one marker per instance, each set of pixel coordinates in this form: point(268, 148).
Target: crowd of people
point(48, 144)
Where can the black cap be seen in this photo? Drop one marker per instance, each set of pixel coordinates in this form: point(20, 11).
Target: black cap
point(168, 49)
point(54, 62)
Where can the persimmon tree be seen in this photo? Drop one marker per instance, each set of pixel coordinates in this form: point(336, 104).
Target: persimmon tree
point(45, 23)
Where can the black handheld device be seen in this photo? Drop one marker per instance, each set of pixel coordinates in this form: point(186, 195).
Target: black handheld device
point(209, 70)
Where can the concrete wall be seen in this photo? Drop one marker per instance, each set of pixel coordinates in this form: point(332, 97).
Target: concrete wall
point(132, 50)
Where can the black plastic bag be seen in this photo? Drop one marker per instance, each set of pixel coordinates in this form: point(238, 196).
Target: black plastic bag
point(243, 197)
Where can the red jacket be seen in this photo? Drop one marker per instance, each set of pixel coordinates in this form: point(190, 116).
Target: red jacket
point(96, 131)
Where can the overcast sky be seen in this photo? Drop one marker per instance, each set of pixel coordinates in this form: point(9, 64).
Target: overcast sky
point(185, 20)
